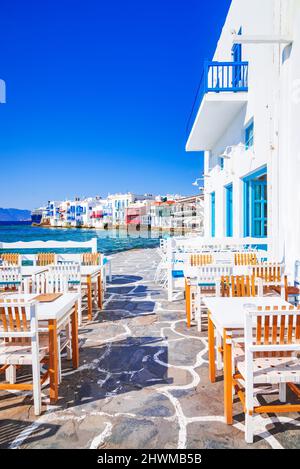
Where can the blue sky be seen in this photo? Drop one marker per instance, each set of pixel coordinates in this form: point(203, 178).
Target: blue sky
point(99, 94)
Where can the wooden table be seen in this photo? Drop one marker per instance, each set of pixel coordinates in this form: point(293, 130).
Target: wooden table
point(90, 273)
point(55, 313)
point(226, 315)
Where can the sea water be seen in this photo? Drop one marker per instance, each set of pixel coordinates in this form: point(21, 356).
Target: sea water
point(109, 241)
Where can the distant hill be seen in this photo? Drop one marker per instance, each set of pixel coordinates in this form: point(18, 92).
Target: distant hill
point(14, 214)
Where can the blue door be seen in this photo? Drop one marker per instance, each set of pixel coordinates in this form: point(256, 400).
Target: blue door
point(229, 211)
point(256, 204)
point(213, 214)
point(236, 53)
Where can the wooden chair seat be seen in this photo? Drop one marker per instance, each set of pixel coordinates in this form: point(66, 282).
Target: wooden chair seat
point(20, 354)
point(272, 370)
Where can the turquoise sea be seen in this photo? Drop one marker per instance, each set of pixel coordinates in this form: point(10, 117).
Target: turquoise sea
point(108, 241)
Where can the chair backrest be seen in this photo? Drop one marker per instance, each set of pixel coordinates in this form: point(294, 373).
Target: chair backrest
point(272, 331)
point(58, 279)
point(213, 271)
point(91, 258)
point(68, 269)
point(269, 271)
point(10, 276)
point(45, 258)
point(244, 258)
point(238, 285)
point(18, 321)
point(51, 283)
point(10, 258)
point(201, 259)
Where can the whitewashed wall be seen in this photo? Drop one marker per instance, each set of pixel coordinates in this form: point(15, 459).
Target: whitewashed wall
point(274, 102)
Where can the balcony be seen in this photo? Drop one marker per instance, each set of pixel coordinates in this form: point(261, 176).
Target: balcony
point(222, 94)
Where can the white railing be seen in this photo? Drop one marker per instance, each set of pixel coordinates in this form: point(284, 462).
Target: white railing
point(52, 244)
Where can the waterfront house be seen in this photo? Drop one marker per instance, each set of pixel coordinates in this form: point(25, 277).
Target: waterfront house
point(51, 213)
point(187, 214)
point(246, 121)
point(120, 202)
point(101, 214)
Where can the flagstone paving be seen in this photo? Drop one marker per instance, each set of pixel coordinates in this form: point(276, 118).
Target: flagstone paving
point(142, 381)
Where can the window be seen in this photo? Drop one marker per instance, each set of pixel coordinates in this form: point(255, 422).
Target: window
point(249, 135)
point(213, 214)
point(229, 211)
point(221, 163)
point(236, 53)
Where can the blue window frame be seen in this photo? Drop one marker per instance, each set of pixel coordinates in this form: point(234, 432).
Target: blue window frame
point(229, 211)
point(259, 209)
point(256, 204)
point(213, 213)
point(249, 135)
point(221, 163)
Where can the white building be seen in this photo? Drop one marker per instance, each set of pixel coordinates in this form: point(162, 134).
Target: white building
point(248, 125)
point(101, 215)
point(120, 202)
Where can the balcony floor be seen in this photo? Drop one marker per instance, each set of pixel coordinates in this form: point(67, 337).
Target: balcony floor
point(216, 113)
point(142, 381)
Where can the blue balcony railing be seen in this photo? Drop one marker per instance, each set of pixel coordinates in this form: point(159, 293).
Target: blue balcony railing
point(219, 77)
point(225, 76)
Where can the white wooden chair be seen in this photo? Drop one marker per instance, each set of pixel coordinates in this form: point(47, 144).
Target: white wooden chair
point(46, 258)
point(204, 281)
point(10, 259)
point(20, 344)
point(271, 345)
point(10, 278)
point(271, 273)
point(61, 279)
point(97, 258)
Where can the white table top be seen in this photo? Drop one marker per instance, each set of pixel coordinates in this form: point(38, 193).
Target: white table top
point(56, 309)
point(29, 270)
point(228, 313)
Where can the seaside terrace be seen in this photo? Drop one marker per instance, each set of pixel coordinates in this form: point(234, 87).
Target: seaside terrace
point(127, 354)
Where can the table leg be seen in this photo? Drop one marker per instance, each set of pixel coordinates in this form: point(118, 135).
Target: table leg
point(211, 350)
point(53, 361)
point(99, 289)
point(89, 298)
point(188, 303)
point(227, 359)
point(74, 326)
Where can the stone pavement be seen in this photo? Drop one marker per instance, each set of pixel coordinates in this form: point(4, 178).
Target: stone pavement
point(142, 381)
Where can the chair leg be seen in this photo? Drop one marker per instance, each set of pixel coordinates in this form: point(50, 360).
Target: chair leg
point(282, 392)
point(59, 358)
point(36, 378)
point(79, 308)
point(198, 303)
point(68, 337)
point(10, 374)
point(248, 428)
